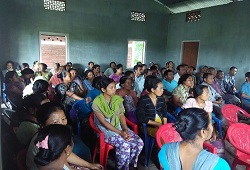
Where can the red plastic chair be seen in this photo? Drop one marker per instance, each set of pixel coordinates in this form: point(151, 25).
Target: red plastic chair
point(239, 136)
point(230, 113)
point(167, 133)
point(102, 145)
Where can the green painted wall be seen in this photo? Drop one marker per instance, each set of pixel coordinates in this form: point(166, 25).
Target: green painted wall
point(98, 29)
point(223, 32)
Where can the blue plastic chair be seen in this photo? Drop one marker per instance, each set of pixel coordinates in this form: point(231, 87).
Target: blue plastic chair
point(171, 118)
point(219, 124)
point(149, 141)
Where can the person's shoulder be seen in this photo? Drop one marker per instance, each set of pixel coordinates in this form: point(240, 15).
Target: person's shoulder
point(144, 98)
point(161, 98)
point(208, 102)
point(222, 164)
point(173, 81)
point(191, 100)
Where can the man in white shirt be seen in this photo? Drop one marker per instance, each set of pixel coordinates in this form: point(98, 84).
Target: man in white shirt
point(180, 71)
point(139, 80)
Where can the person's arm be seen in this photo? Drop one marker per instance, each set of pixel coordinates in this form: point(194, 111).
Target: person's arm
point(16, 90)
point(74, 159)
point(135, 98)
point(141, 112)
point(124, 126)
point(108, 126)
point(244, 95)
point(177, 101)
point(164, 111)
point(73, 95)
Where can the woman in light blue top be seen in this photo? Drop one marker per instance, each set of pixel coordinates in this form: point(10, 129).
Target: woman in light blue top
point(195, 127)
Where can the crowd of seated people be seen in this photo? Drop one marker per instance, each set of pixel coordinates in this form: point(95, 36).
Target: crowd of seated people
point(143, 95)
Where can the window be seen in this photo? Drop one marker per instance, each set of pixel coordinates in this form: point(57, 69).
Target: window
point(55, 5)
point(138, 16)
point(53, 49)
point(136, 52)
point(193, 16)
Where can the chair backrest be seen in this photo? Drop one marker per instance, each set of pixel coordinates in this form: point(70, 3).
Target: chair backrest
point(166, 134)
point(239, 137)
point(230, 113)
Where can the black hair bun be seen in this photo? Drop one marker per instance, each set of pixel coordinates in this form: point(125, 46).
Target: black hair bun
point(180, 126)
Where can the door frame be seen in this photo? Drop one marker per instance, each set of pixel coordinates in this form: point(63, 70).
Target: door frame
point(181, 53)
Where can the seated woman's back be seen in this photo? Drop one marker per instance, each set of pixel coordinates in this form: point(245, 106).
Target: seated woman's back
point(195, 127)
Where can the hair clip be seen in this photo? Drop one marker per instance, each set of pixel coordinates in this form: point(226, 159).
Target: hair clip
point(43, 144)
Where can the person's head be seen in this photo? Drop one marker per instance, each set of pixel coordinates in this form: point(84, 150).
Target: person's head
point(32, 102)
point(65, 76)
point(96, 82)
point(190, 70)
point(162, 71)
point(56, 66)
point(10, 65)
point(91, 64)
point(220, 74)
point(107, 86)
point(202, 69)
point(186, 67)
point(54, 142)
point(25, 65)
point(69, 64)
point(194, 124)
point(169, 75)
point(42, 67)
point(126, 82)
point(208, 78)
point(96, 68)
point(212, 70)
point(247, 76)
point(147, 72)
point(233, 71)
point(131, 74)
point(73, 73)
point(181, 69)
point(27, 73)
point(154, 69)
point(61, 69)
point(201, 92)
point(138, 63)
point(40, 87)
point(155, 86)
point(157, 66)
point(112, 65)
point(170, 64)
point(51, 113)
point(89, 75)
point(67, 67)
point(11, 76)
point(35, 65)
point(119, 69)
point(151, 64)
point(138, 69)
point(186, 80)
point(144, 66)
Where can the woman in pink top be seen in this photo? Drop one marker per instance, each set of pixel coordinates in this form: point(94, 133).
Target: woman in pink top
point(129, 96)
point(117, 73)
point(200, 100)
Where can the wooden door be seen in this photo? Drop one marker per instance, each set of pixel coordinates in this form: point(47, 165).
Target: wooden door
point(190, 53)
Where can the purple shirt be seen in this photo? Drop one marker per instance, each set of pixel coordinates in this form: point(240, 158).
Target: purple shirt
point(115, 77)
